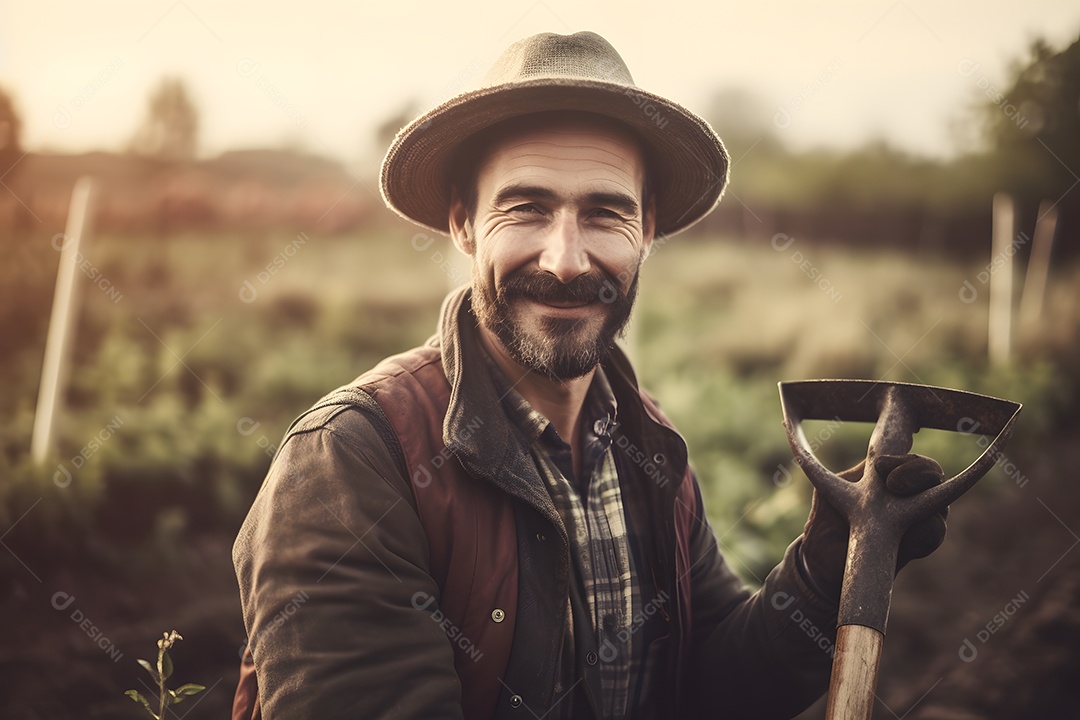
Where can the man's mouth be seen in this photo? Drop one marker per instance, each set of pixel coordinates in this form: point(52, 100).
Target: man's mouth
point(563, 304)
point(582, 296)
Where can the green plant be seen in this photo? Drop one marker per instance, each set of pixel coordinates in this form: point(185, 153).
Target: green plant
point(160, 673)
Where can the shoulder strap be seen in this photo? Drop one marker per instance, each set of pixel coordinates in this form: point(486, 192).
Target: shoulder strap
point(351, 396)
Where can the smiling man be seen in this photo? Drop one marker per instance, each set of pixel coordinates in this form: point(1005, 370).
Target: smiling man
point(501, 523)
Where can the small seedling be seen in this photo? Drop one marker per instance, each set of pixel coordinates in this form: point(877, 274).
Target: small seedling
point(160, 674)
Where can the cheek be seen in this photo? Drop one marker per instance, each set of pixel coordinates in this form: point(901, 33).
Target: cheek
point(501, 254)
point(491, 267)
point(619, 257)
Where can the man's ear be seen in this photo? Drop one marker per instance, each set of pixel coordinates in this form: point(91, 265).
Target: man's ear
point(460, 225)
point(648, 226)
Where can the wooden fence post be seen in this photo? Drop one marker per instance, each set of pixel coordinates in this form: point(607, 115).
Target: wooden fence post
point(54, 368)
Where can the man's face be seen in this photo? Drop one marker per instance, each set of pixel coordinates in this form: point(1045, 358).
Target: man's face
point(557, 239)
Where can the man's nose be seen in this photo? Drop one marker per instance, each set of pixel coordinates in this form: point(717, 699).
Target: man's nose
point(564, 253)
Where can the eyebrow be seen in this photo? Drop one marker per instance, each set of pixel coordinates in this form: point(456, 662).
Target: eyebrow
point(618, 200)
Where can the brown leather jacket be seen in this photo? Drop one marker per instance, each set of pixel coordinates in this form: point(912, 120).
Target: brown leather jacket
point(404, 560)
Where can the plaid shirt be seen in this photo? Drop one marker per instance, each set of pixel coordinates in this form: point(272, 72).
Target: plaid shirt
point(600, 542)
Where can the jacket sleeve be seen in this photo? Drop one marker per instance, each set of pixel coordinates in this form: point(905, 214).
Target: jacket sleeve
point(762, 655)
point(332, 563)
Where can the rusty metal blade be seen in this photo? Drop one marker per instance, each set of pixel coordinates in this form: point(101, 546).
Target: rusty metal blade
point(861, 401)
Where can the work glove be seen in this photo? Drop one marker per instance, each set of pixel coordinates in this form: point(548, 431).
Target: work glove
point(825, 536)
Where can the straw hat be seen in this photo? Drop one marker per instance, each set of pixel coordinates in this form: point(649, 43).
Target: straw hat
point(688, 166)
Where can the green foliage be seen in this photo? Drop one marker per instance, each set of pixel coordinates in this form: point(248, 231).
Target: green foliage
point(160, 673)
point(874, 178)
point(180, 391)
point(1033, 123)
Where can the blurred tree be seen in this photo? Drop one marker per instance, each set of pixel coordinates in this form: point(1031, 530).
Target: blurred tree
point(171, 127)
point(10, 132)
point(1033, 126)
point(745, 121)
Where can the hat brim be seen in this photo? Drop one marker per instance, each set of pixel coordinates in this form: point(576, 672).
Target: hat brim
point(688, 164)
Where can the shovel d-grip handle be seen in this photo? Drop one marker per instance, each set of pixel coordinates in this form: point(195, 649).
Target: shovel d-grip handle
point(878, 518)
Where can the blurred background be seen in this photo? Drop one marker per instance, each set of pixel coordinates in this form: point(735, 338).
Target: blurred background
point(240, 263)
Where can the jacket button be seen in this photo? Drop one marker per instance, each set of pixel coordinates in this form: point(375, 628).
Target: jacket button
point(659, 458)
point(541, 536)
point(498, 616)
point(591, 658)
point(515, 701)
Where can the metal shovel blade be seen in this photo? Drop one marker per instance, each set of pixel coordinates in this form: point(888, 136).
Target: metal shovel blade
point(862, 400)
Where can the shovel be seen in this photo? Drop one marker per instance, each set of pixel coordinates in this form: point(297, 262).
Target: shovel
point(878, 518)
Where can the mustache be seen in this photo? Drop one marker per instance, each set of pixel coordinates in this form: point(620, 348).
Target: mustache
point(545, 287)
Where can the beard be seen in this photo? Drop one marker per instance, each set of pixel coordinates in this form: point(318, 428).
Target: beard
point(558, 348)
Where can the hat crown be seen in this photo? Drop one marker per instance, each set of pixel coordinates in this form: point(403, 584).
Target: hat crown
point(550, 55)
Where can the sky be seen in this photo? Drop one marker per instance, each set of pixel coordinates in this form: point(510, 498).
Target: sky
point(322, 75)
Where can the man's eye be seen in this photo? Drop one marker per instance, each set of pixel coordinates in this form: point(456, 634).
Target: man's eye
point(605, 214)
point(526, 208)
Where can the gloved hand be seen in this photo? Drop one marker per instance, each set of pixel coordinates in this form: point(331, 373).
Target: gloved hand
point(825, 536)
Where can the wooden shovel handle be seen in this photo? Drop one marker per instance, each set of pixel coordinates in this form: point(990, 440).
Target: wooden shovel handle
point(854, 673)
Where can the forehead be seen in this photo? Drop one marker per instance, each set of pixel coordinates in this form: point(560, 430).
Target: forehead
point(580, 145)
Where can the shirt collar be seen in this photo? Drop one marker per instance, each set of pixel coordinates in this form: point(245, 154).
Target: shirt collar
point(599, 411)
